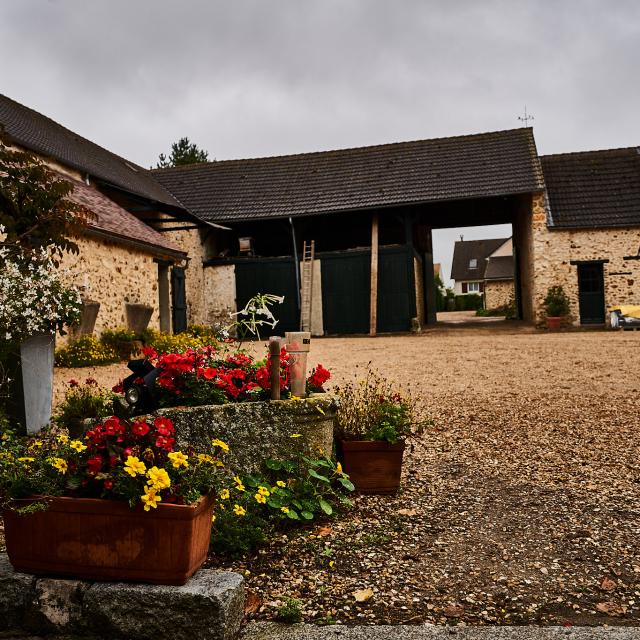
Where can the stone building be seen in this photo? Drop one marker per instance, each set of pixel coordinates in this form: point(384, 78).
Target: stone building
point(189, 245)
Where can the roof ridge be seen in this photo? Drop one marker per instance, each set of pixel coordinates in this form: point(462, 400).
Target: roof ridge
point(384, 145)
point(592, 151)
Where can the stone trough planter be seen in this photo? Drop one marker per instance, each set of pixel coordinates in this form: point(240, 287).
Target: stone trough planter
point(256, 431)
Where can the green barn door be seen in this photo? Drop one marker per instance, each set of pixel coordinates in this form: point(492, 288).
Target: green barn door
point(178, 300)
point(591, 293)
point(346, 280)
point(394, 302)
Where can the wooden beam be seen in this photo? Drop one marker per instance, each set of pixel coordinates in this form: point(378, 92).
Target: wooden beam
point(373, 310)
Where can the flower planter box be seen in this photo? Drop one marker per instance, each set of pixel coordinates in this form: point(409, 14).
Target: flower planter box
point(373, 466)
point(95, 539)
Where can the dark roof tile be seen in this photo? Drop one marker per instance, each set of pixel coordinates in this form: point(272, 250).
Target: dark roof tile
point(464, 251)
point(499, 268)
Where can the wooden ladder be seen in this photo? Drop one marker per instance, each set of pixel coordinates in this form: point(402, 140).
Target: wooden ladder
point(306, 286)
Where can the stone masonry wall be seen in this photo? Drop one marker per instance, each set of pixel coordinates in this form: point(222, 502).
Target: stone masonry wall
point(554, 250)
point(498, 293)
point(113, 275)
point(219, 294)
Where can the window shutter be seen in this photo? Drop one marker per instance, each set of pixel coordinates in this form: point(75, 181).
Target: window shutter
point(465, 287)
point(482, 287)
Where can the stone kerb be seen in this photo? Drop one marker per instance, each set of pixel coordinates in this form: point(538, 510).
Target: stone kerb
point(256, 431)
point(209, 607)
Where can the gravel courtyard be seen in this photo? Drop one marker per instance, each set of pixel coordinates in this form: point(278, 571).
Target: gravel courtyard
point(520, 506)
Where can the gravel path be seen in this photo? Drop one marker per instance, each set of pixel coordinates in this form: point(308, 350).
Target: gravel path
point(520, 506)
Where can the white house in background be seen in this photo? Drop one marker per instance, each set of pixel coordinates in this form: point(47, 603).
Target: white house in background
point(470, 258)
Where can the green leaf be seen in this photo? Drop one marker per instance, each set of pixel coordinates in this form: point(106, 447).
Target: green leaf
point(314, 474)
point(307, 515)
point(288, 466)
point(325, 506)
point(347, 484)
point(292, 514)
point(274, 503)
point(275, 465)
point(296, 504)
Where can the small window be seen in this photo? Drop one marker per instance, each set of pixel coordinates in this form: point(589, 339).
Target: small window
point(473, 287)
point(473, 263)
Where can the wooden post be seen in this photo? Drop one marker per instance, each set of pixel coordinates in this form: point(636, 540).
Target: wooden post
point(274, 353)
point(373, 310)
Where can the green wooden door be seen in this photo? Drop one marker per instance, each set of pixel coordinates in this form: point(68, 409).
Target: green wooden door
point(394, 301)
point(591, 293)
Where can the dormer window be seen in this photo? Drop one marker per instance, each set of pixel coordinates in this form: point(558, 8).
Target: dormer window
point(473, 263)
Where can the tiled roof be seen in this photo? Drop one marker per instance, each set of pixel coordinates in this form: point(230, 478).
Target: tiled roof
point(499, 268)
point(40, 134)
point(464, 251)
point(117, 223)
point(482, 165)
point(593, 188)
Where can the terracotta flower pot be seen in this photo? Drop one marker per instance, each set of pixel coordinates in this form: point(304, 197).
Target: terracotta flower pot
point(95, 539)
point(373, 466)
point(553, 323)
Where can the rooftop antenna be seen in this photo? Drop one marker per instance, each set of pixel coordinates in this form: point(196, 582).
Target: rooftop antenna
point(461, 238)
point(526, 117)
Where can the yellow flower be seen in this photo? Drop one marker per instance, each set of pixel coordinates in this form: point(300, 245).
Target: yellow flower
point(134, 466)
point(263, 491)
point(158, 479)
point(150, 499)
point(218, 443)
point(77, 445)
point(213, 518)
point(281, 483)
point(284, 509)
point(59, 464)
point(296, 435)
point(239, 485)
point(205, 457)
point(339, 467)
point(36, 443)
point(62, 438)
point(224, 494)
point(238, 510)
point(260, 498)
point(178, 459)
point(26, 459)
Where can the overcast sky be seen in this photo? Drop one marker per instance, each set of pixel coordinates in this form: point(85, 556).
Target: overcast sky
point(266, 77)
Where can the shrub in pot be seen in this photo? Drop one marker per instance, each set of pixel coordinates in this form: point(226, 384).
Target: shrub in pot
point(120, 503)
point(557, 307)
point(372, 425)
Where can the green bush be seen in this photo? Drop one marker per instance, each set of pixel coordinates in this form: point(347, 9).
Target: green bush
point(469, 302)
point(195, 336)
point(509, 311)
point(290, 612)
point(557, 302)
point(120, 340)
point(87, 351)
point(82, 402)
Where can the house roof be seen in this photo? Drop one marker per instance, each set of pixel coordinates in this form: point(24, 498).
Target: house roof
point(499, 268)
point(464, 251)
point(473, 166)
point(593, 189)
point(118, 224)
point(30, 129)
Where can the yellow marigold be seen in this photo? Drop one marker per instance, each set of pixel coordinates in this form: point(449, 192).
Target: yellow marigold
point(26, 459)
point(260, 498)
point(281, 483)
point(213, 518)
point(224, 494)
point(339, 467)
point(238, 510)
point(59, 464)
point(239, 485)
point(284, 509)
point(218, 443)
point(263, 491)
point(62, 438)
point(134, 466)
point(178, 459)
point(150, 498)
point(205, 457)
point(158, 479)
point(36, 443)
point(77, 445)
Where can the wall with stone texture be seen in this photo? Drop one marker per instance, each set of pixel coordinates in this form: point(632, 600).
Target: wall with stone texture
point(219, 294)
point(498, 293)
point(555, 249)
point(113, 275)
point(419, 285)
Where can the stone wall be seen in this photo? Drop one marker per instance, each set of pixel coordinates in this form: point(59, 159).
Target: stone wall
point(498, 293)
point(219, 295)
point(554, 250)
point(113, 275)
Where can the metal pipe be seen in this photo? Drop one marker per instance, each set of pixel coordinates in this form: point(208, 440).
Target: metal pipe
point(296, 262)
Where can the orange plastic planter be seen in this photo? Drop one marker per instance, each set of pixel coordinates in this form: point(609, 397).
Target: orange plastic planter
point(107, 540)
point(373, 466)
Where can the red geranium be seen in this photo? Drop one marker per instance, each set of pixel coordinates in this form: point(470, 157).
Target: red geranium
point(164, 426)
point(140, 428)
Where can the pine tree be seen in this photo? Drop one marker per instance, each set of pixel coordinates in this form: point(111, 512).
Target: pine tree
point(182, 152)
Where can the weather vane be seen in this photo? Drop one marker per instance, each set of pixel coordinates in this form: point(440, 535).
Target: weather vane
point(526, 117)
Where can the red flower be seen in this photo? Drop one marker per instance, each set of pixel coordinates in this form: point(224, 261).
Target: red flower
point(162, 442)
point(210, 373)
point(91, 382)
point(149, 353)
point(140, 428)
point(94, 465)
point(164, 426)
point(118, 388)
point(113, 426)
point(108, 484)
point(318, 377)
point(73, 383)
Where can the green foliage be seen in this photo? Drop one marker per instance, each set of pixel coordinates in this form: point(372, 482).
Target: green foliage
point(557, 302)
point(182, 152)
point(256, 314)
point(468, 302)
point(290, 612)
point(34, 207)
point(287, 493)
point(509, 311)
point(440, 293)
point(120, 340)
point(373, 409)
point(195, 336)
point(80, 403)
point(85, 352)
